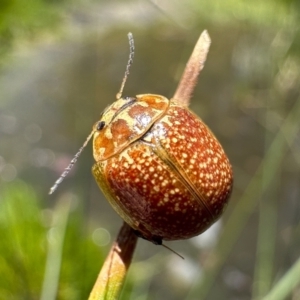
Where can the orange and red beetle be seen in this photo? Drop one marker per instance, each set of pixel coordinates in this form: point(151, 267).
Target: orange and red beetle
point(160, 166)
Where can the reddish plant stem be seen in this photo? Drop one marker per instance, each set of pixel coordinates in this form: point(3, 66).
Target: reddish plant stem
point(112, 275)
point(192, 70)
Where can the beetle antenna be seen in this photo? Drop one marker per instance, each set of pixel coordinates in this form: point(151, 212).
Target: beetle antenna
point(129, 63)
point(172, 251)
point(70, 166)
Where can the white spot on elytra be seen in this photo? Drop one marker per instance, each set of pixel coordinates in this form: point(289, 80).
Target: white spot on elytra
point(156, 188)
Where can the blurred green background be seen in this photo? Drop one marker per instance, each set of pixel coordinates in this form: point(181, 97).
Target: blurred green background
point(61, 64)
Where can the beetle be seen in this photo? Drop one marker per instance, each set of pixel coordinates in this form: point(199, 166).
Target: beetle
point(160, 167)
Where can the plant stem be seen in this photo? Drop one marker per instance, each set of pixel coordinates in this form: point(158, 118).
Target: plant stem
point(112, 275)
point(55, 250)
point(286, 284)
point(192, 70)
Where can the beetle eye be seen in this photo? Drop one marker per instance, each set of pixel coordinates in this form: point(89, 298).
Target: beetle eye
point(100, 125)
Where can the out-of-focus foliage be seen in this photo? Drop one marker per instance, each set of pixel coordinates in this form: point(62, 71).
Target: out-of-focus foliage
point(271, 13)
point(23, 21)
point(31, 250)
point(23, 243)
